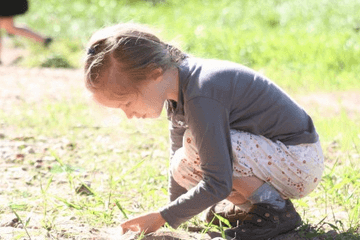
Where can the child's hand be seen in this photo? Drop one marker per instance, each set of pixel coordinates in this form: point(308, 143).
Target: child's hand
point(146, 223)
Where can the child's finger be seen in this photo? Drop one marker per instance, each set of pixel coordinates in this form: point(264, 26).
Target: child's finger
point(130, 227)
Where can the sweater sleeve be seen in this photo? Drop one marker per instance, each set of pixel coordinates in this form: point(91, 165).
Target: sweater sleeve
point(176, 138)
point(208, 121)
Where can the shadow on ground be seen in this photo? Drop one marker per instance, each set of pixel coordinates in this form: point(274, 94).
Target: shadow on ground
point(306, 232)
point(12, 228)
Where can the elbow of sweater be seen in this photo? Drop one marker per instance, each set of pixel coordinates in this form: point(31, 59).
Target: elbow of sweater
point(228, 191)
point(225, 190)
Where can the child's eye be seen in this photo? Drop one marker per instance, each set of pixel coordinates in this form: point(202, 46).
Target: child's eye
point(128, 104)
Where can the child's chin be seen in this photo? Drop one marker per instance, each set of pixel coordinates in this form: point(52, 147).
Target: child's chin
point(148, 116)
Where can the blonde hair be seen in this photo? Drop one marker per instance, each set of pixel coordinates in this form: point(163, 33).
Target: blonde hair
point(131, 48)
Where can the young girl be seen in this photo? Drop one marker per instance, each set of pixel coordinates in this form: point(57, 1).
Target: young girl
point(235, 134)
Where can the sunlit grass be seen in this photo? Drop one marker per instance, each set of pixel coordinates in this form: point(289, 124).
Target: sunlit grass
point(303, 45)
point(127, 162)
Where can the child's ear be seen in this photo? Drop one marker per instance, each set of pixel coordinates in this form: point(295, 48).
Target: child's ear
point(156, 74)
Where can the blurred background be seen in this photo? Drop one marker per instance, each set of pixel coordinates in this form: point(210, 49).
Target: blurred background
point(296, 42)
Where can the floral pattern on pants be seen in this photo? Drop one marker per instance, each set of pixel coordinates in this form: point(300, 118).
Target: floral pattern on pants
point(294, 170)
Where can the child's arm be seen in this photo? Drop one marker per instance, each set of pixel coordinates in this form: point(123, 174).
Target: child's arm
point(176, 138)
point(175, 190)
point(208, 121)
point(151, 222)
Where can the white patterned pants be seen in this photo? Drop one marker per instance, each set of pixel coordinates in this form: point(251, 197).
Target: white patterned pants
point(294, 170)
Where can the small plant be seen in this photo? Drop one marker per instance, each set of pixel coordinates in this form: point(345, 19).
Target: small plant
point(56, 61)
point(24, 224)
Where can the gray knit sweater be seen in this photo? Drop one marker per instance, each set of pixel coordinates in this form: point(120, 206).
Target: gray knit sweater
point(214, 97)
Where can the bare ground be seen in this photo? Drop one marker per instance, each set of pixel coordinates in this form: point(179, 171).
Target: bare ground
point(33, 85)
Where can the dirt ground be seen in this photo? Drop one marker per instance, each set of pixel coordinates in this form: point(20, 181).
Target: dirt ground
point(34, 85)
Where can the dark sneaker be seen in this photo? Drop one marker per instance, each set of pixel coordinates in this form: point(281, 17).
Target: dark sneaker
point(264, 221)
point(226, 210)
point(47, 42)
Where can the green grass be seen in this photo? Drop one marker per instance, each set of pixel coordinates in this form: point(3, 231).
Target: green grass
point(304, 46)
point(127, 167)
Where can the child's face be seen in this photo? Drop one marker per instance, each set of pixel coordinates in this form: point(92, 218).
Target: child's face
point(148, 103)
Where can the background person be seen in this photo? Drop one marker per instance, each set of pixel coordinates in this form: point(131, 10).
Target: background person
point(11, 9)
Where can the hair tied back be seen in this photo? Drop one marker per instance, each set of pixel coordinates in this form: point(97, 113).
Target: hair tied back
point(92, 51)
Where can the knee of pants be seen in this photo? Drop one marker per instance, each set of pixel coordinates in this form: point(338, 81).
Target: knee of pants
point(175, 167)
point(184, 172)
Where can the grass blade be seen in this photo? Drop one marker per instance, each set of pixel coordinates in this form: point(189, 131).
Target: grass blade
point(121, 209)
